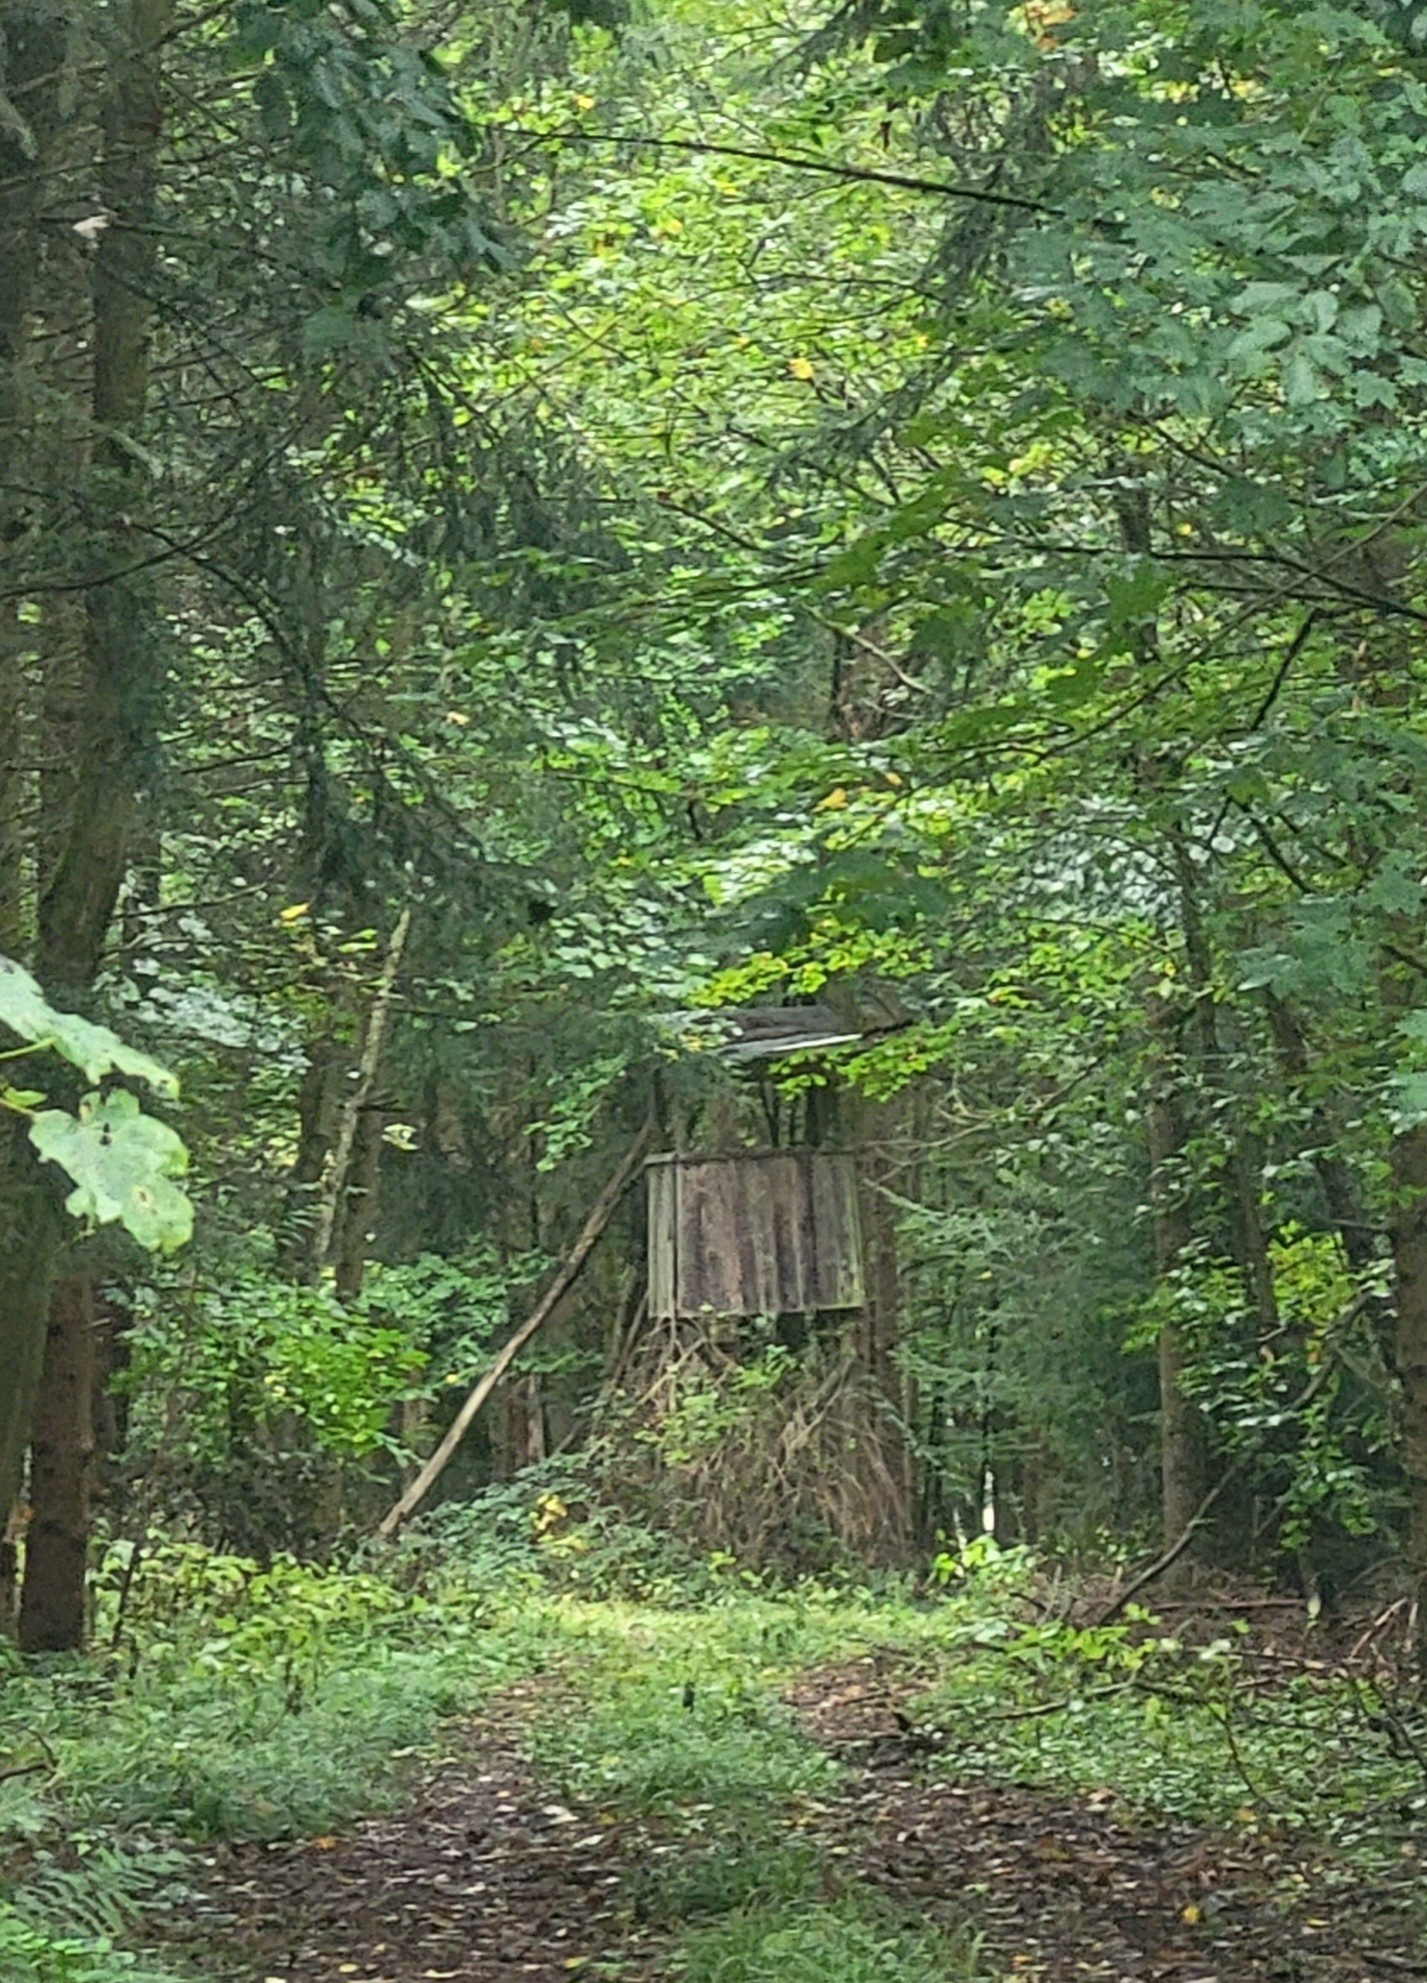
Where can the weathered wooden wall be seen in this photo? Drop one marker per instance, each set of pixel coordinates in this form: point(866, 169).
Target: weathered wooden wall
point(760, 1233)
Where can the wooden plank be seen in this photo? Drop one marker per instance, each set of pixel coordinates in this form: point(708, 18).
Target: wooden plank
point(785, 1279)
point(810, 1241)
point(708, 1262)
point(840, 1279)
point(747, 1201)
point(663, 1179)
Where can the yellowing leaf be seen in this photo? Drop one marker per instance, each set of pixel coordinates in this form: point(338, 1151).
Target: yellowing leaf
point(1191, 1914)
point(1245, 1815)
point(295, 914)
point(324, 1844)
point(835, 801)
point(800, 368)
point(459, 718)
point(583, 102)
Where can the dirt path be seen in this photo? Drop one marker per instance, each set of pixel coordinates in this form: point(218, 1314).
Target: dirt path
point(483, 1879)
point(1063, 1890)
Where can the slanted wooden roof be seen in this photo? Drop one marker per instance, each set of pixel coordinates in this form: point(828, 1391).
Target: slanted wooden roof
point(764, 1032)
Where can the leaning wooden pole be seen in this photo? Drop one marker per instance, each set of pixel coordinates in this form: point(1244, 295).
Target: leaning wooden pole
point(565, 1276)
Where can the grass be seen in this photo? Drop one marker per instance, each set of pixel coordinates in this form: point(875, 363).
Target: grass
point(846, 1941)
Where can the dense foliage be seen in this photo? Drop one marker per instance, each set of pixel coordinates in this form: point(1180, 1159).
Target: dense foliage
point(533, 536)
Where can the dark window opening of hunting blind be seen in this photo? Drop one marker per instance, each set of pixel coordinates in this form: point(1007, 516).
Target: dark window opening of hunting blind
point(770, 1233)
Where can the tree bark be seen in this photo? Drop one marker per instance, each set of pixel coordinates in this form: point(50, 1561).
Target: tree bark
point(318, 1097)
point(34, 35)
point(1409, 1253)
point(1244, 1165)
point(1183, 1460)
point(31, 1231)
point(122, 674)
point(32, 50)
point(359, 1207)
point(333, 1189)
point(52, 1605)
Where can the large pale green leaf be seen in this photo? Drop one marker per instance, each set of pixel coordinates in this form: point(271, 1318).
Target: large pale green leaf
point(122, 1163)
point(94, 1050)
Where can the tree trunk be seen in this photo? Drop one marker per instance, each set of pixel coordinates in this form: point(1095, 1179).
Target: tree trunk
point(120, 679)
point(122, 674)
point(1183, 1460)
point(1409, 1253)
point(52, 1606)
point(32, 52)
point(318, 1100)
point(1244, 1163)
point(30, 1236)
point(336, 1181)
point(359, 1209)
point(34, 36)
point(12, 795)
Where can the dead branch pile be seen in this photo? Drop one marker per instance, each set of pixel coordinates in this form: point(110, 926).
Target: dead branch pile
point(779, 1458)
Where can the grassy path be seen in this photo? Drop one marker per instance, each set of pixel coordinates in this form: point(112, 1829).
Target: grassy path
point(734, 1795)
point(813, 1788)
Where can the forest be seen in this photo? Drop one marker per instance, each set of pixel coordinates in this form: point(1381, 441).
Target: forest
point(713, 991)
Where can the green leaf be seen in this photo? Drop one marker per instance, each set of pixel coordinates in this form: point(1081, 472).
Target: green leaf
point(94, 1050)
point(121, 1162)
point(1300, 380)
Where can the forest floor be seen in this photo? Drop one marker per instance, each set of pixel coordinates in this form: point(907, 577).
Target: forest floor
point(693, 1798)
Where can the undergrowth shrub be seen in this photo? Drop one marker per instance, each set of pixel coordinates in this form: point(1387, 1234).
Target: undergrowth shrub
point(34, 1954)
point(66, 1897)
point(555, 1527)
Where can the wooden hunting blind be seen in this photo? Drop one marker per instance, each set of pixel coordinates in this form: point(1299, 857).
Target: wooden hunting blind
point(771, 1232)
